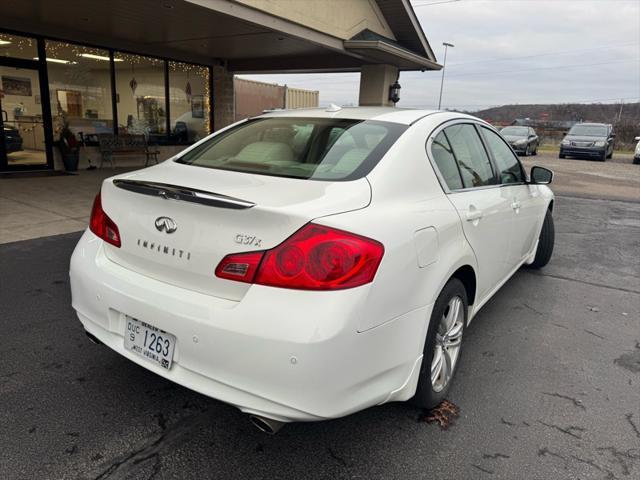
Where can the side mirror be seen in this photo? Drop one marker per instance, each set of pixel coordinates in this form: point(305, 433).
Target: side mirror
point(541, 176)
point(613, 135)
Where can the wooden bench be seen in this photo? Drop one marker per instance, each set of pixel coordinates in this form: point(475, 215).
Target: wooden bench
point(111, 145)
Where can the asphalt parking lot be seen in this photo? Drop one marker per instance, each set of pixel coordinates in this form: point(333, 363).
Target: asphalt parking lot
point(548, 386)
point(615, 179)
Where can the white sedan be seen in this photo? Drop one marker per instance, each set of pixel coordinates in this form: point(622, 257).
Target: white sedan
point(304, 265)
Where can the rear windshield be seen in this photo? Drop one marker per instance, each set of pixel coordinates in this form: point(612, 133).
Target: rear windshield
point(589, 130)
point(309, 148)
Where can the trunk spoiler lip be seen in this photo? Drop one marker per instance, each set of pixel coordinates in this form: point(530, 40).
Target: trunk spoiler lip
point(186, 194)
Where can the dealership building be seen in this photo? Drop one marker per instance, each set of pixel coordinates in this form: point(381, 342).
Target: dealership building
point(163, 70)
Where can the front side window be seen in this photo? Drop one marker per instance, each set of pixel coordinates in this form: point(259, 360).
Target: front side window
point(473, 162)
point(508, 165)
point(446, 162)
point(310, 148)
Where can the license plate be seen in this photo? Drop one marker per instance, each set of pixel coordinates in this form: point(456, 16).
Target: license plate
point(149, 342)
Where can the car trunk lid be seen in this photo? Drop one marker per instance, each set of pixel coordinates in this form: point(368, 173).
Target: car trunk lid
point(177, 222)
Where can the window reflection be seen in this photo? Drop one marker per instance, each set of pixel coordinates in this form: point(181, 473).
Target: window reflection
point(79, 88)
point(189, 102)
point(140, 96)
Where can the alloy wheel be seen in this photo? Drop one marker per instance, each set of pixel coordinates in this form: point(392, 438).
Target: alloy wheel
point(448, 342)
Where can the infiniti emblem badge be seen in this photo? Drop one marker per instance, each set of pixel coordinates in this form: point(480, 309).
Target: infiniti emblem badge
point(166, 224)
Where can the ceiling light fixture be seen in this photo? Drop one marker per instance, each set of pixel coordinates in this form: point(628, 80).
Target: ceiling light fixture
point(99, 57)
point(56, 60)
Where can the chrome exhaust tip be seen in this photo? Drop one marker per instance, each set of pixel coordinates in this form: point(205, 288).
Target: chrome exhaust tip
point(266, 425)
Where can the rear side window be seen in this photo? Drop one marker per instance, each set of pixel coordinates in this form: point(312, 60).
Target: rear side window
point(446, 162)
point(309, 148)
point(473, 162)
point(508, 164)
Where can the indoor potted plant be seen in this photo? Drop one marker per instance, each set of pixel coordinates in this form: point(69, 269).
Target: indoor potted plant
point(69, 148)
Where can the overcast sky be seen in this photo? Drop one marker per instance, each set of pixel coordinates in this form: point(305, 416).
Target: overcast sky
point(512, 51)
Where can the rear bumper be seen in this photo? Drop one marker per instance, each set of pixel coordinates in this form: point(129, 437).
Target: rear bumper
point(287, 355)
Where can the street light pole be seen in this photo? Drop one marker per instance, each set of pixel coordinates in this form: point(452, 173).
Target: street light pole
point(444, 65)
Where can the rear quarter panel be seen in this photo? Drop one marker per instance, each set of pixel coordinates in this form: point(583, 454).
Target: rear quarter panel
point(406, 200)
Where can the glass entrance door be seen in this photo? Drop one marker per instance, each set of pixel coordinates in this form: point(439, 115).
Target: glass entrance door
point(22, 129)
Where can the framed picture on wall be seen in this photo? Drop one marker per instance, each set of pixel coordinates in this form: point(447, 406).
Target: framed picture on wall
point(197, 106)
point(16, 85)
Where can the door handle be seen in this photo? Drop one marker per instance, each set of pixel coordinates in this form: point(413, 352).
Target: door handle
point(473, 214)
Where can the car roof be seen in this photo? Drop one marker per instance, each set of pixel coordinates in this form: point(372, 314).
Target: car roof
point(405, 116)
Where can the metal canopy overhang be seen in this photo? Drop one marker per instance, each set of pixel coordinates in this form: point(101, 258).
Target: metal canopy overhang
point(363, 53)
point(209, 31)
point(385, 52)
point(356, 53)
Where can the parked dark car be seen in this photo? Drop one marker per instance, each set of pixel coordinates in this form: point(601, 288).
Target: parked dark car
point(588, 140)
point(523, 140)
point(12, 140)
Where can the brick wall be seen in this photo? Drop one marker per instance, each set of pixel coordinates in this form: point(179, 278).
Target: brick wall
point(223, 102)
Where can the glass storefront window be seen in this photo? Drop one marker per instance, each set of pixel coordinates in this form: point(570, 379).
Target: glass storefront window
point(189, 102)
point(79, 88)
point(140, 96)
point(167, 101)
point(16, 46)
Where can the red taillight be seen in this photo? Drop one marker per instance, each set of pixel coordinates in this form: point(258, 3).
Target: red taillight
point(314, 258)
point(102, 225)
point(241, 267)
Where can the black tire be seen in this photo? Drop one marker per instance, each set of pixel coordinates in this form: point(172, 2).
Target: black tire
point(426, 396)
point(535, 151)
point(562, 155)
point(545, 242)
point(610, 155)
point(604, 156)
point(527, 151)
point(636, 160)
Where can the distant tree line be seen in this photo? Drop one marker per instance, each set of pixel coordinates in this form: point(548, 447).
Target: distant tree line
point(556, 119)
